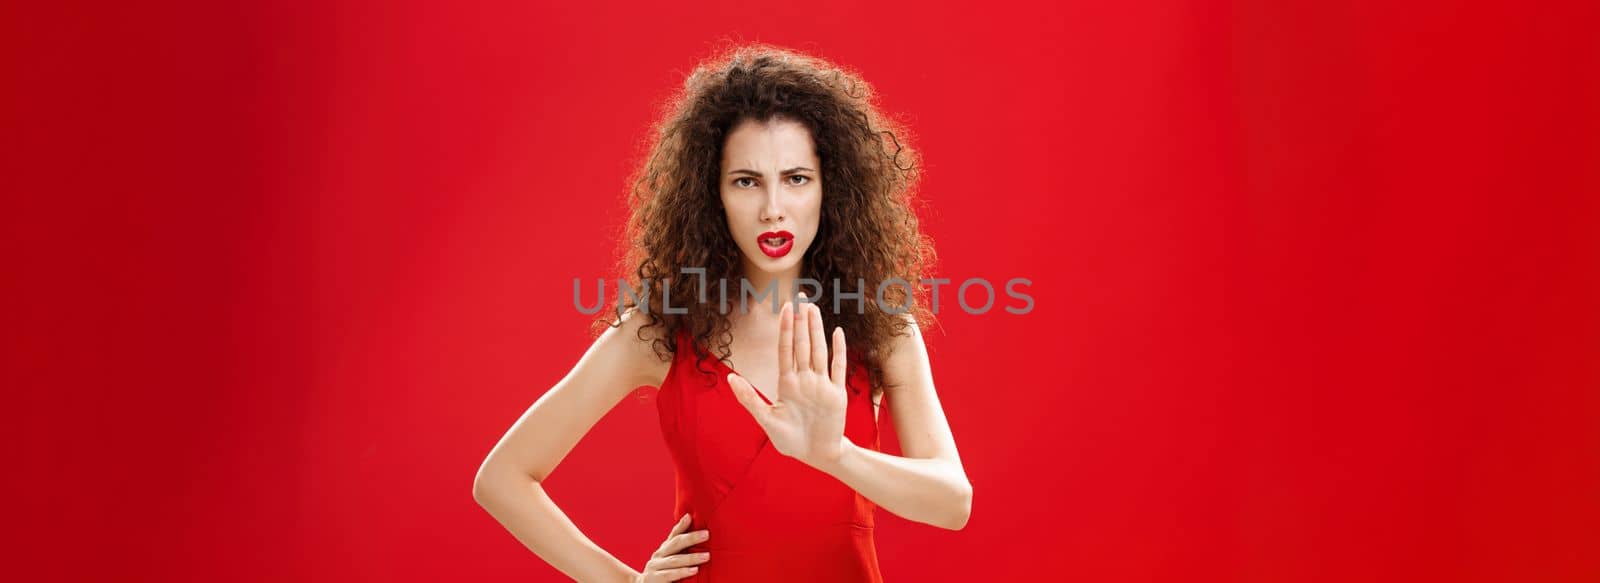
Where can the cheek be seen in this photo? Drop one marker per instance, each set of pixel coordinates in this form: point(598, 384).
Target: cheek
point(814, 211)
point(740, 226)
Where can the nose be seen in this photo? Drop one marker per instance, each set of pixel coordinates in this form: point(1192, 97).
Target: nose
point(772, 211)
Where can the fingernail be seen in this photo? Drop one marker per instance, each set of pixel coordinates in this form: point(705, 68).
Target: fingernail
point(694, 569)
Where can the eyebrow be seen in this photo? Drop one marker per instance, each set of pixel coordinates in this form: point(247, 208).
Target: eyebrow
point(795, 170)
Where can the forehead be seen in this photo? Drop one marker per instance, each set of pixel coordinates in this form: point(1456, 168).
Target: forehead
point(770, 145)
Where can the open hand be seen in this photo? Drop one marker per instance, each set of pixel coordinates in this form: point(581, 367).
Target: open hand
point(806, 422)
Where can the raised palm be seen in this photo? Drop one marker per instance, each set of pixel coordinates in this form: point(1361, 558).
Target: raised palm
point(806, 421)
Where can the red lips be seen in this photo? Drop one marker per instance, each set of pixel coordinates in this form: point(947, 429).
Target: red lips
point(776, 243)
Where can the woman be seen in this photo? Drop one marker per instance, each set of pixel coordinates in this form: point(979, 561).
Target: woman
point(770, 170)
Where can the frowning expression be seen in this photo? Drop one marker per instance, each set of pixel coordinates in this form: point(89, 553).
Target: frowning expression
point(771, 188)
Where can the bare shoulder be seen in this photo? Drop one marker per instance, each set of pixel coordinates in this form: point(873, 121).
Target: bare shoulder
point(907, 357)
point(908, 339)
point(630, 343)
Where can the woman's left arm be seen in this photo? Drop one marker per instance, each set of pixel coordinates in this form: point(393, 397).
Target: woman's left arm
point(928, 484)
point(807, 421)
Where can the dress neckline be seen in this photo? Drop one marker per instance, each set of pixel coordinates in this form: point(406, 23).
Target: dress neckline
point(686, 346)
point(729, 368)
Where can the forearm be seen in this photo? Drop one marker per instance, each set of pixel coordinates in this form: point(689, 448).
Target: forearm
point(931, 491)
point(521, 505)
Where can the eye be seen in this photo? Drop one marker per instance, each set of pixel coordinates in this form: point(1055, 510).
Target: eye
point(798, 179)
point(744, 182)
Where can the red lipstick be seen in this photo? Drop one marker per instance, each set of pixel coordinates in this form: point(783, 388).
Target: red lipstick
point(776, 243)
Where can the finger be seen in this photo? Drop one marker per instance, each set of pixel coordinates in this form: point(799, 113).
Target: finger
point(680, 527)
point(675, 544)
point(839, 362)
point(676, 574)
point(679, 560)
point(819, 341)
point(747, 396)
point(802, 336)
point(786, 339)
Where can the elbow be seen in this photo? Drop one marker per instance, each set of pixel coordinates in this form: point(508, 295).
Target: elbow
point(962, 508)
point(493, 481)
point(482, 489)
point(488, 484)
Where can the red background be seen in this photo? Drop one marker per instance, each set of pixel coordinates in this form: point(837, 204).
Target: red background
point(1316, 285)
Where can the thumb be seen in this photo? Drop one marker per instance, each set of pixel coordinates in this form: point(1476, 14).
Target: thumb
point(746, 394)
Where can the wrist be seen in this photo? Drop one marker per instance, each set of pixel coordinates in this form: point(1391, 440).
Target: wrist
point(839, 463)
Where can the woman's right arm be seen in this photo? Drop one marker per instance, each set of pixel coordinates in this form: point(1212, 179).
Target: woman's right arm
point(507, 484)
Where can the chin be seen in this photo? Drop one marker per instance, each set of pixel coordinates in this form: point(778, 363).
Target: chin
point(772, 266)
point(778, 265)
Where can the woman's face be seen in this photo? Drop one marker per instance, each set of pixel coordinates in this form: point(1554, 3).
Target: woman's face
point(771, 185)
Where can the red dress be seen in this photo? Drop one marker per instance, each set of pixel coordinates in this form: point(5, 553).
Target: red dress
point(771, 517)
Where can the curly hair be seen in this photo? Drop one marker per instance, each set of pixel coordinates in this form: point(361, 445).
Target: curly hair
point(868, 232)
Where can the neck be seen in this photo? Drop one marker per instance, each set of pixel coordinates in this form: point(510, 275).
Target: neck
point(761, 280)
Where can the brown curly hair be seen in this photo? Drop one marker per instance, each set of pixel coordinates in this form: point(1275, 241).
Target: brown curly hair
point(868, 229)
